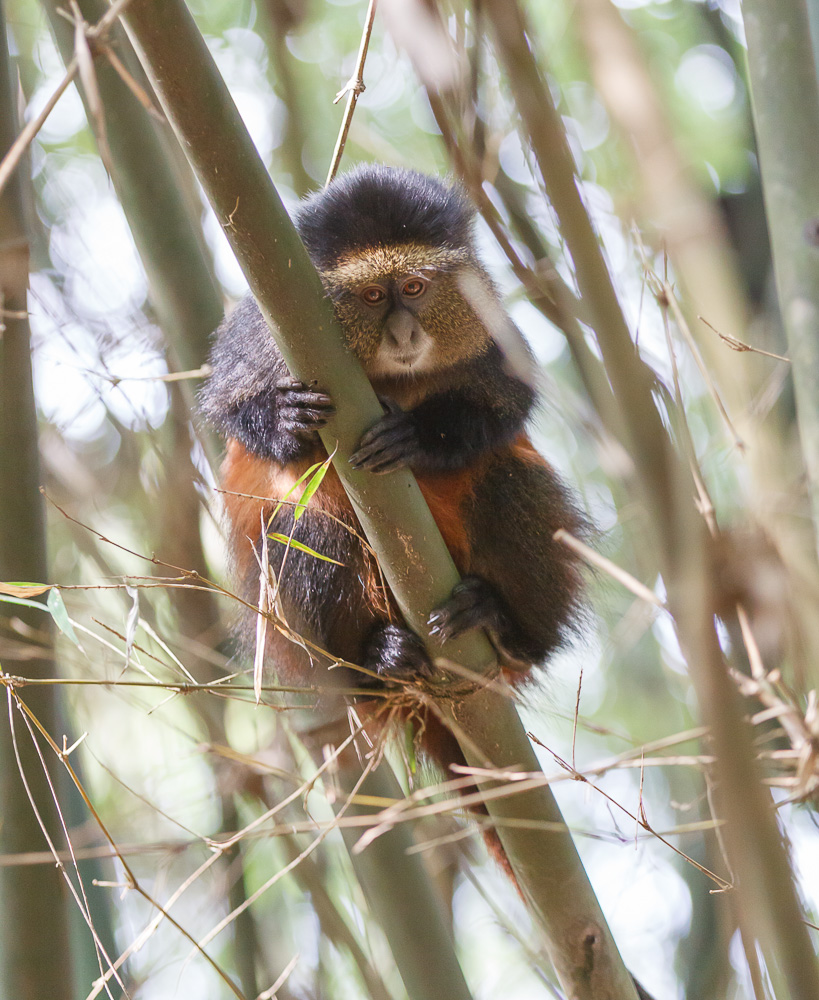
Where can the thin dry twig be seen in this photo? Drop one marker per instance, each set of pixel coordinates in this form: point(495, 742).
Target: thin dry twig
point(576, 714)
point(669, 298)
point(136, 89)
point(305, 787)
point(723, 885)
point(622, 576)
point(88, 78)
point(82, 903)
point(704, 504)
point(30, 129)
point(204, 583)
point(311, 847)
point(132, 882)
point(353, 89)
point(270, 994)
point(739, 345)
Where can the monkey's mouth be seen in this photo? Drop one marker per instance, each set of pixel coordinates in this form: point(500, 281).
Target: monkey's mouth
point(402, 362)
point(407, 360)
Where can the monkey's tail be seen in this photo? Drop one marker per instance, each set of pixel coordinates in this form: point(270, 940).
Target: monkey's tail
point(440, 745)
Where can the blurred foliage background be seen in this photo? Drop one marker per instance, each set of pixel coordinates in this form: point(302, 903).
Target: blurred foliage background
point(655, 100)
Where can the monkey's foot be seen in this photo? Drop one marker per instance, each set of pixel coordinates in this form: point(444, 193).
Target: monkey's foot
point(390, 444)
point(473, 604)
point(395, 652)
point(301, 410)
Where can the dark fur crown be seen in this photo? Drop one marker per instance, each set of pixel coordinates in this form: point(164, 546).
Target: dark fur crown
point(376, 206)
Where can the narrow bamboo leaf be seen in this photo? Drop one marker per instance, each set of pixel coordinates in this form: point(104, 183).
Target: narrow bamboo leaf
point(6, 599)
point(131, 624)
point(286, 540)
point(297, 483)
point(261, 621)
point(311, 488)
point(59, 613)
point(409, 746)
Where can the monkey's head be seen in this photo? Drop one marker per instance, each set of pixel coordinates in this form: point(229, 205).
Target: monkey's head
point(392, 247)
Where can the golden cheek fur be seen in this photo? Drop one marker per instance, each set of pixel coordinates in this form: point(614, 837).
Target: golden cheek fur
point(452, 323)
point(362, 330)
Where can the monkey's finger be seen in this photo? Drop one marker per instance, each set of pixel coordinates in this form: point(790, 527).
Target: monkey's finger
point(373, 453)
point(375, 449)
point(287, 383)
point(385, 440)
point(390, 423)
point(316, 400)
point(385, 458)
point(301, 415)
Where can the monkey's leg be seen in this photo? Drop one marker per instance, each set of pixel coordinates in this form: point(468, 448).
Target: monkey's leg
point(475, 603)
point(524, 586)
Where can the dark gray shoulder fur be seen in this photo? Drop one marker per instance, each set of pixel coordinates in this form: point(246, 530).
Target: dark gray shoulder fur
point(245, 362)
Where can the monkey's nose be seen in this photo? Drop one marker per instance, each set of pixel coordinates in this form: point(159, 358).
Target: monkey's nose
point(403, 330)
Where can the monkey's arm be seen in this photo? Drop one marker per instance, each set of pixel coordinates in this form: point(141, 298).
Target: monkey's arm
point(251, 395)
point(485, 409)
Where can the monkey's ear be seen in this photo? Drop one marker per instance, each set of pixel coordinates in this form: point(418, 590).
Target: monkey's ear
point(482, 300)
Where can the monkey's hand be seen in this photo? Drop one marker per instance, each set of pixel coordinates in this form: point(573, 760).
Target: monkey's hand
point(391, 444)
point(395, 652)
point(301, 411)
point(474, 603)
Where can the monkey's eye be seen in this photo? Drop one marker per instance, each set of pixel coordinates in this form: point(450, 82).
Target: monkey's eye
point(414, 287)
point(373, 295)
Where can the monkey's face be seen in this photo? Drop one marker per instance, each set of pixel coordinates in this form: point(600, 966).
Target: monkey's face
point(402, 311)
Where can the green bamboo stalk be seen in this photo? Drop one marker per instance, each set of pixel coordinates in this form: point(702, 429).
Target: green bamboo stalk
point(283, 278)
point(152, 186)
point(768, 899)
point(403, 900)
point(312, 879)
point(785, 103)
point(630, 378)
point(157, 191)
point(35, 958)
point(395, 518)
point(276, 21)
point(813, 17)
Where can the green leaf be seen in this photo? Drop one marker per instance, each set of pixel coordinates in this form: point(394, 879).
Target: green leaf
point(5, 599)
point(54, 606)
point(310, 489)
point(409, 746)
point(291, 542)
point(59, 613)
point(297, 483)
